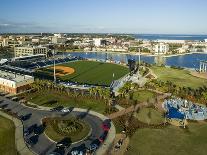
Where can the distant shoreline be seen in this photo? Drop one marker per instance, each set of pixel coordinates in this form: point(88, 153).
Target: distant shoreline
point(142, 54)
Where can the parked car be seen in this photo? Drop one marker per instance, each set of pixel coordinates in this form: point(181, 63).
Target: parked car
point(103, 136)
point(92, 148)
point(59, 108)
point(76, 152)
point(68, 109)
point(64, 143)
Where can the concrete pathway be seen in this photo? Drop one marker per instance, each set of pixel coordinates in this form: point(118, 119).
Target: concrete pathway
point(118, 107)
point(19, 139)
point(126, 111)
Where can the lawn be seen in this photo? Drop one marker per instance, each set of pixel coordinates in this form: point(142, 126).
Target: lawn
point(179, 77)
point(7, 137)
point(143, 95)
point(91, 72)
point(71, 128)
point(150, 116)
point(52, 98)
point(170, 140)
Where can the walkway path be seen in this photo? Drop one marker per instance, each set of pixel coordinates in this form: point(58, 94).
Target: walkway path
point(19, 139)
point(126, 111)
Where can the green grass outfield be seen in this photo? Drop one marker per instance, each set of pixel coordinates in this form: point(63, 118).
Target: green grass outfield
point(179, 77)
point(7, 137)
point(170, 141)
point(91, 72)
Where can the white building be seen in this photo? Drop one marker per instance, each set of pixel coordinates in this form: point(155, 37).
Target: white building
point(14, 83)
point(183, 49)
point(171, 41)
point(5, 42)
point(58, 35)
point(161, 48)
point(29, 50)
point(206, 40)
point(58, 40)
point(99, 42)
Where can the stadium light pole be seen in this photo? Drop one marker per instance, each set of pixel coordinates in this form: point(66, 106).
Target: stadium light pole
point(139, 60)
point(54, 66)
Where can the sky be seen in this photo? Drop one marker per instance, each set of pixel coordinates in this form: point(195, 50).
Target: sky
point(104, 16)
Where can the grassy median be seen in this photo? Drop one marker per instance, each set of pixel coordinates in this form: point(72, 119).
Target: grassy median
point(7, 137)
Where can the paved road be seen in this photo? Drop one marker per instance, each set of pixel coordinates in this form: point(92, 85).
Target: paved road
point(44, 145)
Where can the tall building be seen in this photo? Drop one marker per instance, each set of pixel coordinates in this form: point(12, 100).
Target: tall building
point(5, 42)
point(14, 83)
point(161, 48)
point(206, 40)
point(29, 50)
point(99, 42)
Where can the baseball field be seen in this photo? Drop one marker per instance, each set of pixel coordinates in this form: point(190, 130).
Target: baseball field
point(86, 72)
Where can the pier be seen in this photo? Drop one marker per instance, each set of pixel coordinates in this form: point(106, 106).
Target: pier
point(203, 66)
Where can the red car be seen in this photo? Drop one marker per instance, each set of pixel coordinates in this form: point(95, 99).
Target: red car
point(105, 127)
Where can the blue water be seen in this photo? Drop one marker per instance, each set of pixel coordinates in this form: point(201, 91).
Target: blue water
point(187, 61)
point(170, 37)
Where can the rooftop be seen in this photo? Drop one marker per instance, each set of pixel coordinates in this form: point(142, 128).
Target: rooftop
point(12, 76)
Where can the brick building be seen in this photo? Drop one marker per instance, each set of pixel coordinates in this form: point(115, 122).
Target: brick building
point(14, 82)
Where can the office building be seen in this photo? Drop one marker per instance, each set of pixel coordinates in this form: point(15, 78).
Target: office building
point(29, 50)
point(161, 48)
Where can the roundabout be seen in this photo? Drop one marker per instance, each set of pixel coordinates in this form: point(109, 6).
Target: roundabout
point(72, 128)
point(38, 142)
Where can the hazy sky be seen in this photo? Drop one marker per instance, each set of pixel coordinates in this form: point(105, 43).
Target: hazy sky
point(117, 16)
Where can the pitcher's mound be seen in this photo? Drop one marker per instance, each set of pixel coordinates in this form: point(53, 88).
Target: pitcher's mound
point(63, 70)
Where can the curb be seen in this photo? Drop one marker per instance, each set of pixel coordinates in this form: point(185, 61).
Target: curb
point(19, 139)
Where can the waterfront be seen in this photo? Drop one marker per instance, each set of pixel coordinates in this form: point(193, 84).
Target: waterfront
point(170, 37)
point(186, 61)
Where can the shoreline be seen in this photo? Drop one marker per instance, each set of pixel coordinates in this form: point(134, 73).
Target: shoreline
point(136, 53)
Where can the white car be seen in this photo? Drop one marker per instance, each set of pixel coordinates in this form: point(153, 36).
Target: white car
point(76, 152)
point(66, 109)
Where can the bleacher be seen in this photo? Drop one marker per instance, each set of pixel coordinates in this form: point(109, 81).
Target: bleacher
point(31, 66)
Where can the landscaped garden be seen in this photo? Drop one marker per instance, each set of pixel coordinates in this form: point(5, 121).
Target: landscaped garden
point(7, 137)
point(74, 129)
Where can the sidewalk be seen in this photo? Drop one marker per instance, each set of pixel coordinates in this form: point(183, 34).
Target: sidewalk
point(19, 139)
